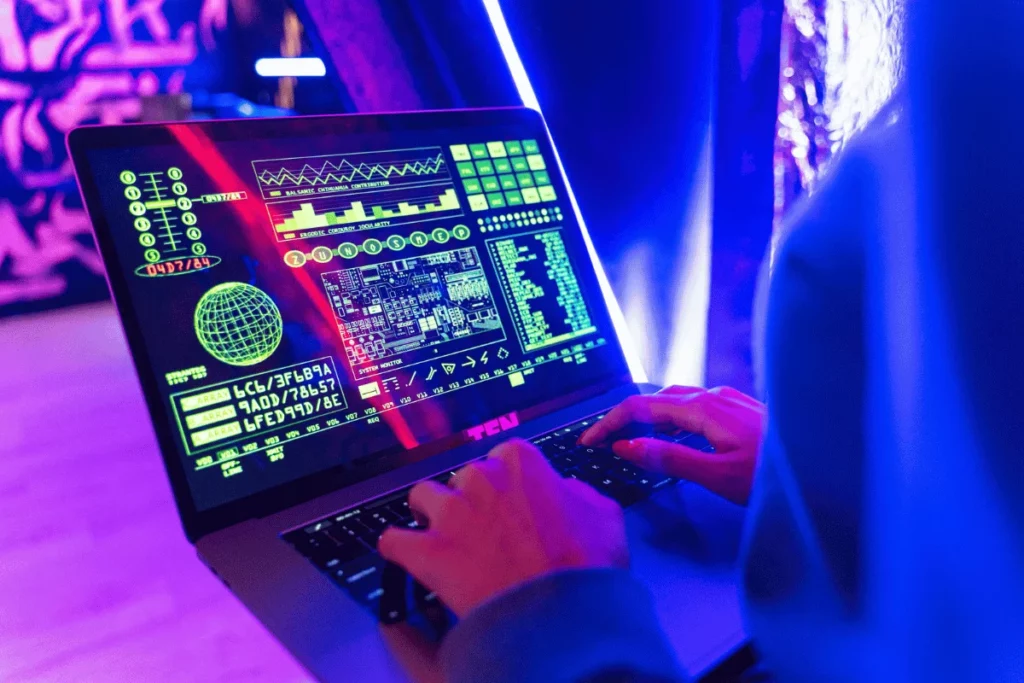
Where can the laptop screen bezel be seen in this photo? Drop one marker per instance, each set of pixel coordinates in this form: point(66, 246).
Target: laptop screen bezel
point(82, 141)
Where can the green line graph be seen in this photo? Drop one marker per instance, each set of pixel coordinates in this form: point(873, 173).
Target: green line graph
point(347, 173)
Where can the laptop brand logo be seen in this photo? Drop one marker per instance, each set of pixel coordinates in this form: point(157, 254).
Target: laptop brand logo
point(492, 427)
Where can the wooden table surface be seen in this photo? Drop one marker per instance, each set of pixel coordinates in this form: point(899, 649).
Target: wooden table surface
point(97, 581)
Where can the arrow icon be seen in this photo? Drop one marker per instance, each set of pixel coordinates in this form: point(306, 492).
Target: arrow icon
point(483, 358)
point(471, 362)
point(448, 367)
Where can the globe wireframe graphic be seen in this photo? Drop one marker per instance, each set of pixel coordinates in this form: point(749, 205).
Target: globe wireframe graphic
point(238, 324)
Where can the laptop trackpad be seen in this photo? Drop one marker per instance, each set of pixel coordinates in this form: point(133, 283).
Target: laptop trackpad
point(684, 544)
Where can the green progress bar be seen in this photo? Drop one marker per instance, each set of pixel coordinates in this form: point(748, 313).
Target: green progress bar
point(162, 204)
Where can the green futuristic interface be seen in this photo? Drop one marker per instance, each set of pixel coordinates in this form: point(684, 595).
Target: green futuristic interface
point(407, 273)
point(238, 324)
point(528, 263)
point(498, 174)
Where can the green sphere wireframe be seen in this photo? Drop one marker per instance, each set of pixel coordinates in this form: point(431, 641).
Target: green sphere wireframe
point(238, 324)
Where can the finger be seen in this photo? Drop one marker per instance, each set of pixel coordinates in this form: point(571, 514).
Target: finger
point(479, 483)
point(669, 458)
point(410, 549)
point(523, 462)
point(682, 412)
point(737, 396)
point(517, 453)
point(677, 390)
point(416, 654)
point(429, 499)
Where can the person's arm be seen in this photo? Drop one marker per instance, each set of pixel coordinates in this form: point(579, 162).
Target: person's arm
point(583, 626)
point(534, 566)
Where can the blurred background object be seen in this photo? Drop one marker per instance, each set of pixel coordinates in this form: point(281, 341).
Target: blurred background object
point(842, 61)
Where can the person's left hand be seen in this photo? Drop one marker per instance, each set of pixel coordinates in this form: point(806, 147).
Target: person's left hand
point(501, 522)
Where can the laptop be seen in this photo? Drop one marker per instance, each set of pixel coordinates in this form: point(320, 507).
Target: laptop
point(323, 311)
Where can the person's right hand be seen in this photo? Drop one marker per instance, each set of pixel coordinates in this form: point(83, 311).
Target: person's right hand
point(732, 421)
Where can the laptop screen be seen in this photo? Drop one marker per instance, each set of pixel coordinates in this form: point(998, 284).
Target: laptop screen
point(310, 299)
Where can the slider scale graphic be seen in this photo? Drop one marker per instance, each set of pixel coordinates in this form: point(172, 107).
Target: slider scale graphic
point(165, 221)
point(332, 194)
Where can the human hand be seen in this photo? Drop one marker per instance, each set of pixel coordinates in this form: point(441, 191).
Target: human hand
point(732, 421)
point(501, 522)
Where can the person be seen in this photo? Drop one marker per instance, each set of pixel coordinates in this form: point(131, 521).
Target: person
point(885, 534)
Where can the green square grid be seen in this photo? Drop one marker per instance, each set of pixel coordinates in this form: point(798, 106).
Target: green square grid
point(496, 200)
point(508, 182)
point(514, 198)
point(519, 164)
point(513, 147)
point(472, 186)
point(502, 165)
point(478, 151)
point(485, 167)
point(525, 180)
point(490, 184)
point(466, 169)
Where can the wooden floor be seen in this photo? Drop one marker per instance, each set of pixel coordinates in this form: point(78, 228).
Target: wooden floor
point(97, 582)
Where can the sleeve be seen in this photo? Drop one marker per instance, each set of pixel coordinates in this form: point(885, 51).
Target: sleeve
point(580, 626)
point(801, 578)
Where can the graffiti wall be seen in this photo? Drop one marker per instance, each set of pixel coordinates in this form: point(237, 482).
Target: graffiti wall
point(65, 63)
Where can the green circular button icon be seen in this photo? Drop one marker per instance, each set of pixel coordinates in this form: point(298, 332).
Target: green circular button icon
point(461, 232)
point(193, 234)
point(128, 178)
point(174, 173)
point(179, 188)
point(147, 239)
point(372, 247)
point(440, 235)
point(188, 218)
point(198, 248)
point(348, 250)
point(396, 243)
point(132, 192)
point(137, 208)
point(142, 224)
point(151, 255)
point(184, 203)
point(419, 239)
point(322, 254)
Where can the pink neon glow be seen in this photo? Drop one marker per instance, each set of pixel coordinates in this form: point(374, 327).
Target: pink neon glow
point(64, 63)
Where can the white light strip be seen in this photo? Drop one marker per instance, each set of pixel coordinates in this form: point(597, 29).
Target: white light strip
point(526, 93)
point(282, 67)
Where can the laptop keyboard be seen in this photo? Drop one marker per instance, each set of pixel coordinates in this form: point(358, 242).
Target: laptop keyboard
point(343, 545)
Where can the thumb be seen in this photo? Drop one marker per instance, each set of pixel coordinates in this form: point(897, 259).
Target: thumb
point(669, 458)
